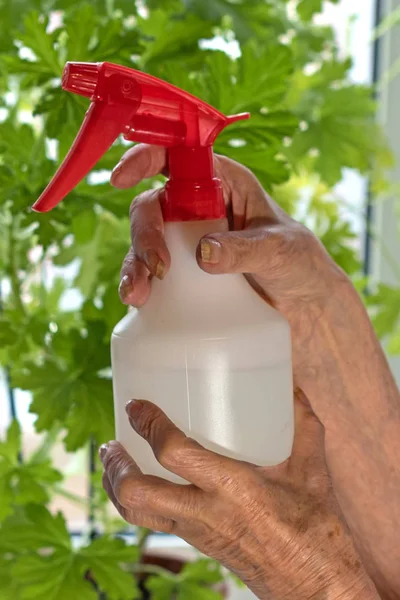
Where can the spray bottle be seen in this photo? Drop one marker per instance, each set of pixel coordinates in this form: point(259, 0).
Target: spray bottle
point(205, 348)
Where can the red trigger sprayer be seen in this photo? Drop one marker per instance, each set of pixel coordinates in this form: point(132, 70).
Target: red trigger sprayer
point(205, 348)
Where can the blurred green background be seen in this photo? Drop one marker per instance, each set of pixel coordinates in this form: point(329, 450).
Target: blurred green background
point(60, 272)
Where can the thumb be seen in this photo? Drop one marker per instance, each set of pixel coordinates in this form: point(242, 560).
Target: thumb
point(308, 462)
point(248, 251)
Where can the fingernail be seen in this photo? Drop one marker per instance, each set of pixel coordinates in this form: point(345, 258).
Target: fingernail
point(103, 451)
point(115, 173)
point(210, 251)
point(134, 409)
point(154, 263)
point(125, 287)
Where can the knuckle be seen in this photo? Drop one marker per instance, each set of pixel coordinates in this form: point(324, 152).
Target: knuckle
point(240, 480)
point(134, 207)
point(138, 205)
point(170, 456)
point(128, 262)
point(320, 482)
point(130, 493)
point(305, 238)
point(186, 452)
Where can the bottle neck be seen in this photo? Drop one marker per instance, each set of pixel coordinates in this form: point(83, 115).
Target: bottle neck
point(193, 193)
point(186, 284)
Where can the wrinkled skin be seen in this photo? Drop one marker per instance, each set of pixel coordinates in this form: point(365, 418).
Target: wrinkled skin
point(283, 260)
point(279, 529)
point(338, 361)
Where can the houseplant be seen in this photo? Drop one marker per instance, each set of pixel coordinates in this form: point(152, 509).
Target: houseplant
point(309, 123)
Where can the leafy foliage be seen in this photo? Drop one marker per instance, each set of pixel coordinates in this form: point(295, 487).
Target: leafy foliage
point(46, 566)
point(384, 303)
point(64, 391)
point(306, 9)
point(22, 483)
point(309, 122)
point(193, 582)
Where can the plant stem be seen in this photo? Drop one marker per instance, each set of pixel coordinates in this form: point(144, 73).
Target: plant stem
point(10, 389)
point(143, 535)
point(14, 280)
point(153, 570)
point(60, 491)
point(92, 510)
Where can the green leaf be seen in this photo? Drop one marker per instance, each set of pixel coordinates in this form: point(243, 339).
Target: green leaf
point(79, 29)
point(8, 588)
point(11, 446)
point(92, 401)
point(262, 129)
point(90, 37)
point(167, 37)
point(39, 530)
point(307, 91)
point(36, 37)
point(84, 227)
point(337, 239)
point(245, 17)
point(108, 9)
point(56, 577)
point(203, 571)
point(258, 79)
point(160, 588)
point(101, 245)
point(35, 481)
point(22, 483)
point(46, 565)
point(306, 9)
point(343, 131)
point(71, 392)
point(394, 343)
point(193, 591)
point(263, 76)
point(269, 167)
point(10, 20)
point(63, 111)
point(104, 557)
point(6, 493)
point(385, 306)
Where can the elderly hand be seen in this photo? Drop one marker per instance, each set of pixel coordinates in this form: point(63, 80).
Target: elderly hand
point(279, 529)
point(282, 259)
point(338, 361)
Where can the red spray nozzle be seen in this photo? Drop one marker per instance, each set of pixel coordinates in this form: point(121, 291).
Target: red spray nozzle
point(144, 109)
point(81, 78)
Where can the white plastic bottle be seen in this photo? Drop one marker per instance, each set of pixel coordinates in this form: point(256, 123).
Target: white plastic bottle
point(207, 349)
point(211, 353)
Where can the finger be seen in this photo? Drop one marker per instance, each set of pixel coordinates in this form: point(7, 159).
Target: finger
point(140, 162)
point(148, 254)
point(134, 289)
point(245, 194)
point(147, 233)
point(140, 519)
point(144, 494)
point(182, 455)
point(308, 462)
point(250, 251)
